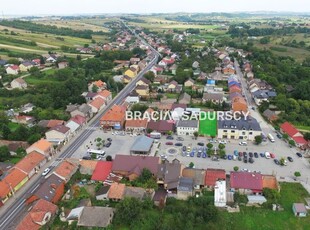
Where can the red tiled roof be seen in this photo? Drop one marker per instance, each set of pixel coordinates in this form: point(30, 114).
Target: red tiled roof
point(42, 145)
point(104, 93)
point(37, 214)
point(14, 67)
point(246, 180)
point(60, 128)
point(212, 175)
point(78, 119)
point(102, 170)
point(160, 126)
point(289, 129)
point(30, 161)
point(65, 170)
point(116, 191)
point(116, 113)
point(136, 123)
point(13, 178)
point(300, 140)
point(97, 102)
point(53, 123)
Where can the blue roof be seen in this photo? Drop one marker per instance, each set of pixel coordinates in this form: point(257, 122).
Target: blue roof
point(142, 144)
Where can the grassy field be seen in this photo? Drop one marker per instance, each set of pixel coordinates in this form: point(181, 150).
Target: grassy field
point(303, 128)
point(261, 218)
point(207, 126)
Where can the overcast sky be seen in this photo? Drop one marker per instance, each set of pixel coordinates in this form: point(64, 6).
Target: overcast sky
point(69, 7)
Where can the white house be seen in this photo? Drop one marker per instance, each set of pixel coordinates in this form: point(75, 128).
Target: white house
point(220, 194)
point(18, 83)
point(187, 127)
point(12, 69)
point(58, 134)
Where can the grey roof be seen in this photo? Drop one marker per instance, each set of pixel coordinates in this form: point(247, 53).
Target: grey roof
point(243, 124)
point(213, 96)
point(300, 207)
point(185, 96)
point(47, 190)
point(84, 108)
point(96, 216)
point(170, 173)
point(135, 192)
point(264, 94)
point(269, 113)
point(71, 107)
point(187, 123)
point(198, 175)
point(103, 190)
point(142, 144)
point(186, 184)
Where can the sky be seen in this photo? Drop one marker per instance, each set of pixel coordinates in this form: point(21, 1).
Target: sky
point(73, 7)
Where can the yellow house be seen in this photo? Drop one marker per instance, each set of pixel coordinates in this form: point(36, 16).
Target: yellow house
point(24, 67)
point(126, 79)
point(130, 73)
point(143, 90)
point(143, 81)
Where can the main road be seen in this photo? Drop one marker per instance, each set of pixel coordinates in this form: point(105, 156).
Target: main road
point(15, 206)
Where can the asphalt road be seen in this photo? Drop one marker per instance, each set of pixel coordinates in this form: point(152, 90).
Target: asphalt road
point(15, 206)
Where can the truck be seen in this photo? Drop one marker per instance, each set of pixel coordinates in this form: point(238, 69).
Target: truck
point(270, 137)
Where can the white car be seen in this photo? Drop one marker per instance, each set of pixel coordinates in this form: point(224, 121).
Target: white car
point(223, 142)
point(46, 171)
point(267, 155)
point(243, 143)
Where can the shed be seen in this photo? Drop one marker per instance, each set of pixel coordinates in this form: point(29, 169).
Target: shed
point(299, 210)
point(252, 199)
point(142, 145)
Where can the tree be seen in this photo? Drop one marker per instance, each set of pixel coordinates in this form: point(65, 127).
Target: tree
point(128, 211)
point(221, 146)
point(150, 76)
point(33, 138)
point(285, 136)
point(196, 134)
point(291, 143)
point(282, 161)
point(264, 40)
point(258, 139)
point(169, 132)
point(297, 174)
point(191, 165)
point(4, 153)
point(94, 89)
point(210, 146)
point(5, 132)
point(109, 158)
point(271, 194)
point(236, 168)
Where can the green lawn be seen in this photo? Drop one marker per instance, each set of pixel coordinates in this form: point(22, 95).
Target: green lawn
point(172, 95)
point(263, 218)
point(13, 126)
point(303, 128)
point(208, 126)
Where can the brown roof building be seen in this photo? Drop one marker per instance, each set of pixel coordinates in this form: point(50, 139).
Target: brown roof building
point(116, 192)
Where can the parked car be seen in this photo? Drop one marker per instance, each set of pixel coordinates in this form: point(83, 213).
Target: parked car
point(169, 137)
point(236, 153)
point(178, 144)
point(86, 158)
point(279, 135)
point(240, 154)
point(272, 155)
point(276, 162)
point(224, 157)
point(251, 160)
point(184, 148)
point(204, 155)
point(192, 154)
point(245, 160)
point(200, 144)
point(250, 154)
point(109, 139)
point(262, 154)
point(180, 139)
point(46, 171)
point(199, 154)
point(223, 142)
point(229, 157)
point(169, 143)
point(108, 144)
point(267, 155)
point(245, 154)
point(290, 159)
point(256, 155)
point(239, 158)
point(299, 154)
point(243, 143)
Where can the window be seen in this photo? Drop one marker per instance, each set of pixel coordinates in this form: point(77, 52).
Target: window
point(233, 131)
point(243, 133)
point(225, 131)
point(250, 133)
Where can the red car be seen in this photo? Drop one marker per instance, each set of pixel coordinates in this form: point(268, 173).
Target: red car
point(169, 143)
point(272, 155)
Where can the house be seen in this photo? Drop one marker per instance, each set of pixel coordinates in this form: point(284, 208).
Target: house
point(135, 192)
point(198, 176)
point(256, 199)
point(185, 98)
point(82, 110)
point(132, 166)
point(66, 170)
point(134, 60)
point(270, 181)
point(87, 166)
point(116, 192)
point(187, 127)
point(216, 98)
point(220, 193)
point(51, 58)
point(293, 133)
point(23, 119)
point(102, 193)
point(142, 64)
point(19, 83)
point(239, 104)
point(300, 210)
point(142, 145)
point(31, 163)
point(97, 104)
point(173, 69)
point(132, 72)
point(174, 87)
point(270, 115)
point(53, 123)
point(242, 129)
point(105, 95)
point(25, 66)
point(246, 182)
point(169, 174)
point(114, 118)
point(126, 79)
point(39, 215)
point(89, 96)
point(12, 69)
point(136, 125)
point(97, 86)
point(102, 171)
point(132, 100)
point(234, 89)
point(96, 217)
point(143, 81)
point(52, 189)
point(143, 91)
point(75, 123)
point(195, 65)
point(160, 197)
point(189, 82)
point(161, 126)
point(214, 175)
point(41, 146)
point(27, 108)
point(63, 65)
point(11, 183)
point(260, 96)
point(185, 188)
point(58, 134)
point(228, 70)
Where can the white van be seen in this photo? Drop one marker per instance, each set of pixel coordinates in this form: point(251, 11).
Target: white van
point(267, 155)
